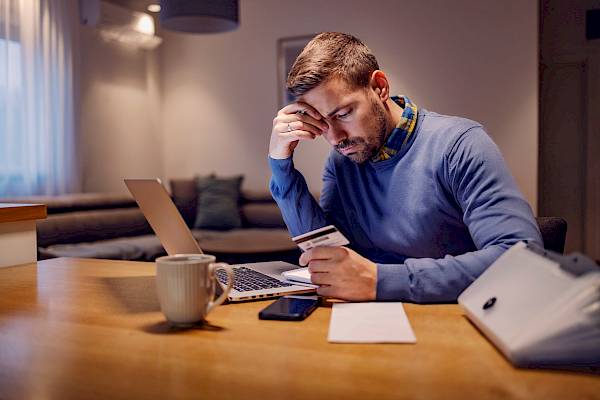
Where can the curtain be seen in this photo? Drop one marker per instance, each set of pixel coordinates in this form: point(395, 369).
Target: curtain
point(37, 122)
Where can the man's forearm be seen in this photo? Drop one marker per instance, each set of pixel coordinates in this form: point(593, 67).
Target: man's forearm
point(427, 280)
point(300, 210)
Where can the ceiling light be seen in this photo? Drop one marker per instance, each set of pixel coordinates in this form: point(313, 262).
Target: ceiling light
point(195, 16)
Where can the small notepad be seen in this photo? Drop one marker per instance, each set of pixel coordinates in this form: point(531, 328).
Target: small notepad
point(370, 323)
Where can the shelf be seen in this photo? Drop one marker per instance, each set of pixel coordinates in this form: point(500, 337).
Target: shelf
point(11, 212)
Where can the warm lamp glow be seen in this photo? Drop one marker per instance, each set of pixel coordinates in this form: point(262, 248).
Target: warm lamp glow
point(145, 24)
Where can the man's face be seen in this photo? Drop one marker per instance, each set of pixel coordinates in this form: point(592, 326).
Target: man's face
point(357, 121)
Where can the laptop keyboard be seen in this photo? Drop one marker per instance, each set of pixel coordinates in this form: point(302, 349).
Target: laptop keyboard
point(246, 279)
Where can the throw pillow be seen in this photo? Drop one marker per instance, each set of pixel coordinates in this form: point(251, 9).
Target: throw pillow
point(218, 202)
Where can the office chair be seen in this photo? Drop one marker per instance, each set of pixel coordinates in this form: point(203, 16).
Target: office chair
point(554, 232)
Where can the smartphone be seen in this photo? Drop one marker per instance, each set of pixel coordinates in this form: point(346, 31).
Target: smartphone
point(290, 308)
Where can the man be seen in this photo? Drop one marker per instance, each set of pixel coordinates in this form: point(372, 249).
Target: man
point(426, 200)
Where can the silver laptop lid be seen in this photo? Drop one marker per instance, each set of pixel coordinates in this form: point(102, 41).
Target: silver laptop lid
point(162, 215)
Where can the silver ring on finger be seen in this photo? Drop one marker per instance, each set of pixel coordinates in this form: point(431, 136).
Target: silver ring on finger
point(289, 128)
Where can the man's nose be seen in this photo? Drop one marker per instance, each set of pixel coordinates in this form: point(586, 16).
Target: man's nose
point(335, 134)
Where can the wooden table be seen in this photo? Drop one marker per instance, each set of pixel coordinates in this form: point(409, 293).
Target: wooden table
point(74, 328)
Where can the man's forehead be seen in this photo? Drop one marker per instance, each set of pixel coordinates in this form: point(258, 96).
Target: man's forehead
point(329, 96)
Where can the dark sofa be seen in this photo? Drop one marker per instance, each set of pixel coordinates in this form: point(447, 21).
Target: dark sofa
point(111, 226)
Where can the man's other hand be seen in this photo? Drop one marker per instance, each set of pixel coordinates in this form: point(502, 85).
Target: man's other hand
point(294, 122)
point(341, 273)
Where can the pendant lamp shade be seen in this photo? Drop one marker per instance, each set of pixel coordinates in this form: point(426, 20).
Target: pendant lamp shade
point(199, 16)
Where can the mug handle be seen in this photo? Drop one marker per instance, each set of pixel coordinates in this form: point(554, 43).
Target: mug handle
point(226, 289)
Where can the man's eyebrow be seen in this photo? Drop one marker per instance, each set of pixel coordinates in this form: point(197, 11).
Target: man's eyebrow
point(338, 108)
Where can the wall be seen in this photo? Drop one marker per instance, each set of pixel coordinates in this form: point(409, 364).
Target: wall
point(467, 57)
point(119, 124)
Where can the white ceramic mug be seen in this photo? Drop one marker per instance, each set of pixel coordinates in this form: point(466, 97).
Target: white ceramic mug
point(186, 286)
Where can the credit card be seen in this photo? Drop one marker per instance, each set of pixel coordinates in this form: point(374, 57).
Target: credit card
point(328, 236)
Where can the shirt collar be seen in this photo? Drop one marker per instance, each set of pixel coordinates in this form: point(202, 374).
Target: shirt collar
point(402, 132)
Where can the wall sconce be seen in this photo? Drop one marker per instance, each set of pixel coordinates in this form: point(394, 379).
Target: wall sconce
point(116, 23)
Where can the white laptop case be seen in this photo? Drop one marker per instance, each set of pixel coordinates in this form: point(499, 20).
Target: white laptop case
point(538, 307)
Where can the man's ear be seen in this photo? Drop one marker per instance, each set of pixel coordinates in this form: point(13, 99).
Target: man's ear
point(380, 85)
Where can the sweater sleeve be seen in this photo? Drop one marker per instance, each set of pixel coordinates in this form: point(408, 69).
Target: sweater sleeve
point(300, 210)
point(494, 211)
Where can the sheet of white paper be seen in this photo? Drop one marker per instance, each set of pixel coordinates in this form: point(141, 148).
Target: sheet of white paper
point(370, 323)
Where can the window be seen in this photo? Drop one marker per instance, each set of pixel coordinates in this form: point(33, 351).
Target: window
point(11, 99)
point(37, 146)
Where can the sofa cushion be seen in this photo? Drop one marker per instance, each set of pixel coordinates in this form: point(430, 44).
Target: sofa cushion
point(218, 200)
point(256, 196)
point(185, 197)
point(262, 215)
point(90, 226)
point(140, 248)
point(148, 247)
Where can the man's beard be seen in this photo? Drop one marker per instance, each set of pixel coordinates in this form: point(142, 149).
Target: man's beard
point(368, 147)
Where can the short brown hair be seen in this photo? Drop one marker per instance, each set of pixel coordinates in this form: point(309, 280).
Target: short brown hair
point(331, 54)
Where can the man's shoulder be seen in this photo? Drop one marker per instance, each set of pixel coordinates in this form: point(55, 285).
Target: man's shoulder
point(432, 122)
point(444, 131)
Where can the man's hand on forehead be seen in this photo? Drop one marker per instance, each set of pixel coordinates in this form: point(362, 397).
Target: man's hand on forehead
point(293, 123)
point(307, 109)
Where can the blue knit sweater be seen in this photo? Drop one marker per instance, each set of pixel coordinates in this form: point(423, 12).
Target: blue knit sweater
point(433, 217)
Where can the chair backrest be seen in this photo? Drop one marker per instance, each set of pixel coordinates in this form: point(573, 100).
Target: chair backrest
point(554, 233)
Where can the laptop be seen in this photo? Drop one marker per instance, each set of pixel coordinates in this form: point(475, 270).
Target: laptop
point(252, 281)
